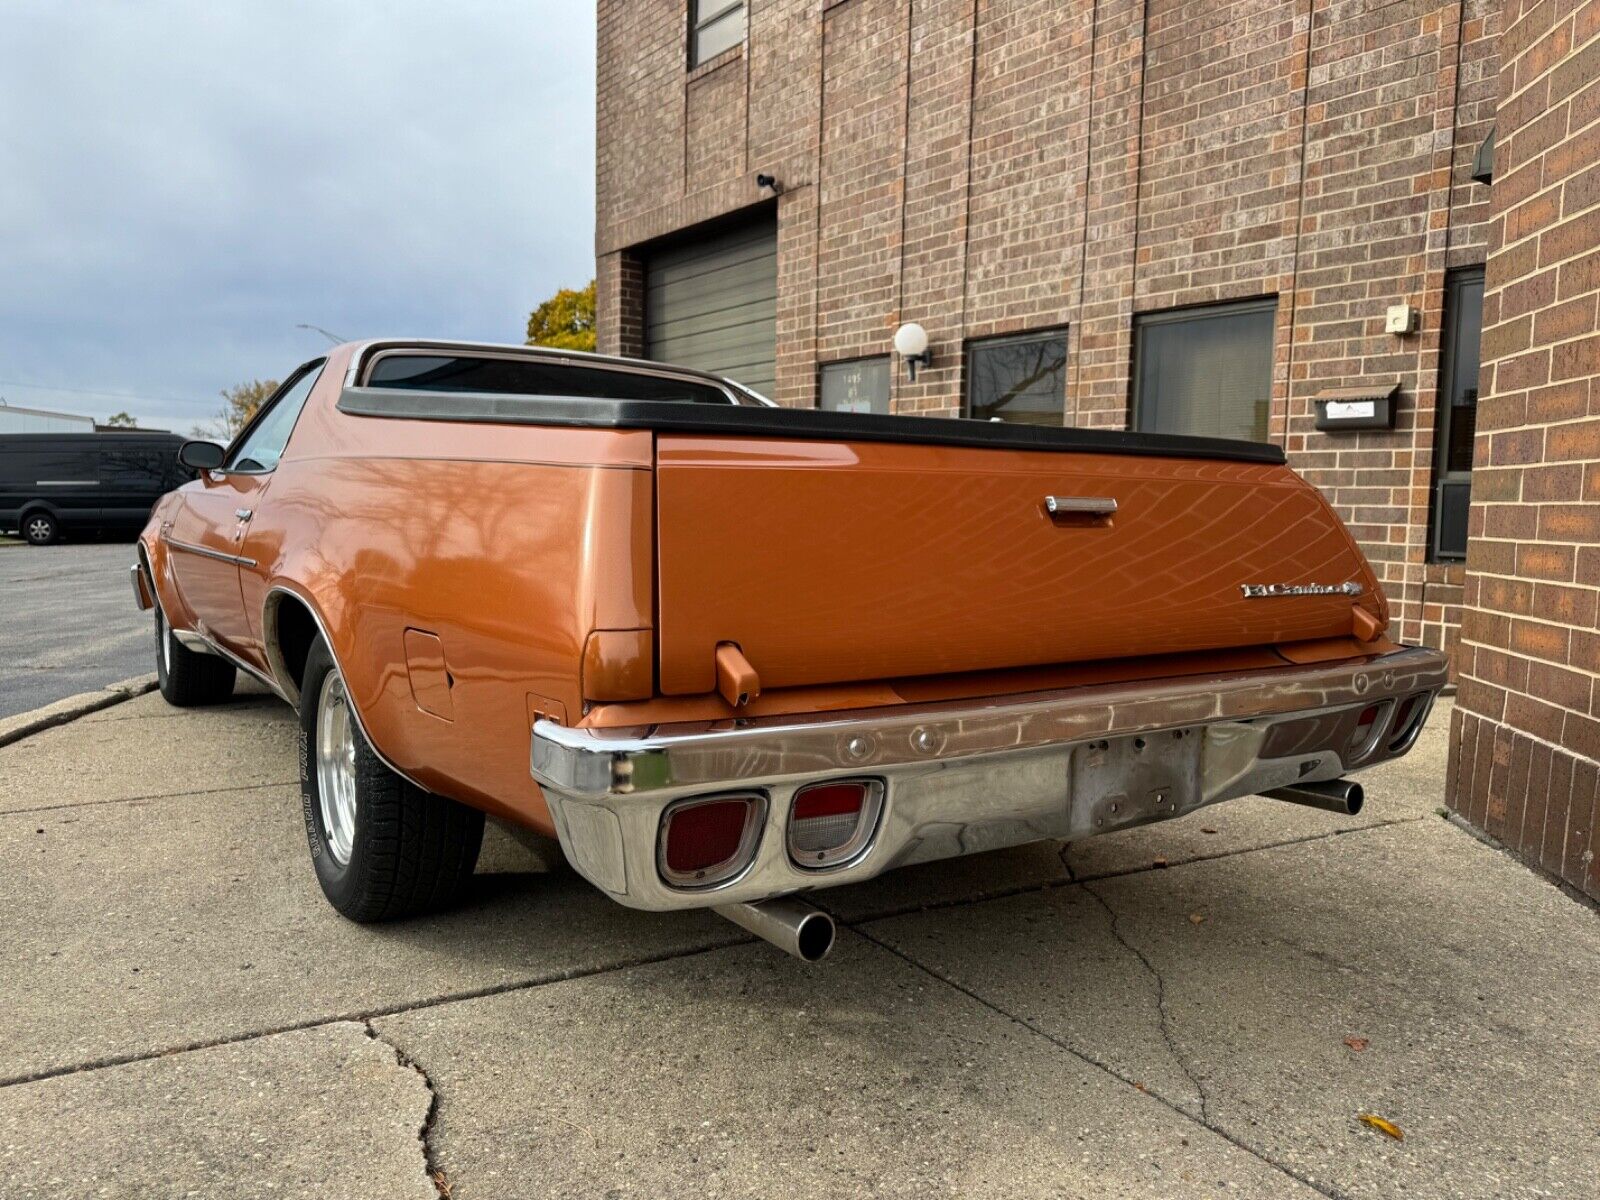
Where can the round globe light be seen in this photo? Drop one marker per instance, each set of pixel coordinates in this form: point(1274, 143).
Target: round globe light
point(910, 340)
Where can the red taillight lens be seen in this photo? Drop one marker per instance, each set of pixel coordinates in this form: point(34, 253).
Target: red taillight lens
point(831, 822)
point(705, 840)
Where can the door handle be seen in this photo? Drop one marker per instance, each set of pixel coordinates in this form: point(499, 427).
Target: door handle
point(244, 514)
point(1088, 506)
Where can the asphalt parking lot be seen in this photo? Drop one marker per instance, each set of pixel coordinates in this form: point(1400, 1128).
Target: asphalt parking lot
point(70, 622)
point(1201, 1008)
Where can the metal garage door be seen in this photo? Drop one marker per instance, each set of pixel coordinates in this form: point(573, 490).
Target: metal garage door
point(712, 303)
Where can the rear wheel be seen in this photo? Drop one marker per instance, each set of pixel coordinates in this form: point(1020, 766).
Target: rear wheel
point(381, 846)
point(40, 528)
point(187, 677)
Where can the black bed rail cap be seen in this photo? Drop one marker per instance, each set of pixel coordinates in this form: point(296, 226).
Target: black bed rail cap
point(752, 421)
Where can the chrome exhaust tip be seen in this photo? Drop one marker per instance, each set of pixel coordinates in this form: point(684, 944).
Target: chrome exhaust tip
point(1337, 796)
point(791, 925)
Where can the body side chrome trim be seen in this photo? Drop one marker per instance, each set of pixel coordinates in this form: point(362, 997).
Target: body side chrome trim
point(1096, 506)
point(206, 552)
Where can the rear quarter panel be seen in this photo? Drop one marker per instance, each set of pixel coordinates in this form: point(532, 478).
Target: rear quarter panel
point(509, 545)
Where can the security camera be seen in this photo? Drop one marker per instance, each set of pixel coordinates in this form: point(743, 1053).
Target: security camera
point(769, 183)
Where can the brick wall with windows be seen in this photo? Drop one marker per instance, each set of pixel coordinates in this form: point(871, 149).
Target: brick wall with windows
point(999, 167)
point(1527, 725)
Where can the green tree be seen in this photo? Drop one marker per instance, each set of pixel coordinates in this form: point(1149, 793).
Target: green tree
point(121, 420)
point(565, 321)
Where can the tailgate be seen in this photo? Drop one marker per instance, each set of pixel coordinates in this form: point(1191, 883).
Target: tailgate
point(828, 562)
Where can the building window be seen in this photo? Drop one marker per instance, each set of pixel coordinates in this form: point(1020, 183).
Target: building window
point(1457, 412)
point(861, 385)
point(1205, 371)
point(1019, 379)
point(714, 26)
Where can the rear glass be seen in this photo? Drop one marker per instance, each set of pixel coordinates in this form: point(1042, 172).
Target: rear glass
point(531, 377)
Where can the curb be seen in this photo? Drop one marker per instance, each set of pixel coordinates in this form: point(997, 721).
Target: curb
point(14, 729)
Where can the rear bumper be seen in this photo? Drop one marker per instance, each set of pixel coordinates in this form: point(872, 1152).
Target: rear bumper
point(969, 776)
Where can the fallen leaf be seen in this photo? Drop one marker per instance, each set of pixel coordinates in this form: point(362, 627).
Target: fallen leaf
point(1160, 862)
point(1140, 1087)
point(1388, 1128)
point(1207, 830)
point(1357, 1044)
point(1197, 918)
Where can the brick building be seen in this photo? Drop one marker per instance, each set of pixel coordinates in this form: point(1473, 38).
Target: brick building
point(1170, 216)
point(1527, 724)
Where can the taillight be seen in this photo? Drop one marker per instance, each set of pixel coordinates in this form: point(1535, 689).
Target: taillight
point(830, 823)
point(706, 841)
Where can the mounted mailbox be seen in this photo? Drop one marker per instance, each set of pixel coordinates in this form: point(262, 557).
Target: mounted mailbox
point(1351, 409)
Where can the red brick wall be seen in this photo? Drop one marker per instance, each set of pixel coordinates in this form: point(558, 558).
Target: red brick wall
point(986, 166)
point(1527, 727)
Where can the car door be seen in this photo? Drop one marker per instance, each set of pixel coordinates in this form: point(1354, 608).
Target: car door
point(208, 528)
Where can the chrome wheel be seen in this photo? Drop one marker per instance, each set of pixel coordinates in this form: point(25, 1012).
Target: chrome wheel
point(336, 767)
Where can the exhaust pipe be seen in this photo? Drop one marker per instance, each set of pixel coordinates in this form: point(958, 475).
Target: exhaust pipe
point(1337, 795)
point(791, 925)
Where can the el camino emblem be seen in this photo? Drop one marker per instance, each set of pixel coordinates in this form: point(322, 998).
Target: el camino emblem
point(1256, 591)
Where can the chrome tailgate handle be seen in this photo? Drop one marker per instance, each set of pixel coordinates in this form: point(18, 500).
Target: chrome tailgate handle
point(1091, 506)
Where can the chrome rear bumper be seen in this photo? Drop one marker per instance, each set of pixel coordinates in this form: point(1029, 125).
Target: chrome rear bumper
point(975, 775)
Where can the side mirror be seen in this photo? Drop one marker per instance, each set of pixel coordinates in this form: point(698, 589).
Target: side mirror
point(201, 456)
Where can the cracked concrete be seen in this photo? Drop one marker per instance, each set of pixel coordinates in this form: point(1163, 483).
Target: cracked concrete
point(1046, 1021)
point(1163, 1018)
point(325, 1112)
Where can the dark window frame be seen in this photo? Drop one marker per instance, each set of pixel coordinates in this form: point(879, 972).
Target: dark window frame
point(1457, 279)
point(1022, 337)
point(703, 13)
point(1170, 316)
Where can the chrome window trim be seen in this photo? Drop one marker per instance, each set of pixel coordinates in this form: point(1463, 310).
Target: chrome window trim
point(367, 353)
point(237, 560)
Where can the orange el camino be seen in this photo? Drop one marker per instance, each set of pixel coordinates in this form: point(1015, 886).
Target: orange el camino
point(730, 654)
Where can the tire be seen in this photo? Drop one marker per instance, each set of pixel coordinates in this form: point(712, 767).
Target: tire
point(41, 528)
point(381, 847)
point(188, 678)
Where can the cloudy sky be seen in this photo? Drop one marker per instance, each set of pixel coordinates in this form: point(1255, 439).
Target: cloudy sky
point(181, 184)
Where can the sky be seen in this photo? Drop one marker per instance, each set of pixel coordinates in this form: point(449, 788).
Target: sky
point(182, 184)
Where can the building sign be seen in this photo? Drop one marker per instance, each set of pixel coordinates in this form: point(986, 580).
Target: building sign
point(861, 385)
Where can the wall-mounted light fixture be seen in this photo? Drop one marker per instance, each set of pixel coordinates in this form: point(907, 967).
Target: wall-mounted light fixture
point(911, 344)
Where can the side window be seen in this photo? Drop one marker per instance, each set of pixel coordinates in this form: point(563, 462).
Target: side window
point(1205, 371)
point(263, 443)
point(1018, 379)
point(1457, 413)
point(714, 26)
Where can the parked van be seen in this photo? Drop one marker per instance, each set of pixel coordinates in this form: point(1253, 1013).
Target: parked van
point(57, 483)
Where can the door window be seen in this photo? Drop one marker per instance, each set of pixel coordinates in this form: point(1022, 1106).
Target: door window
point(263, 442)
point(1457, 413)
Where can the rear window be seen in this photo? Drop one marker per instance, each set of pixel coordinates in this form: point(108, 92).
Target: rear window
point(533, 377)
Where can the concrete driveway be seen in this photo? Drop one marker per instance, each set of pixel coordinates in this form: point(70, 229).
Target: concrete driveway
point(1204, 1008)
point(70, 624)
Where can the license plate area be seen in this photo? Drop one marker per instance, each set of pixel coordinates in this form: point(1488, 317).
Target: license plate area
point(1133, 780)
